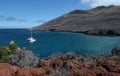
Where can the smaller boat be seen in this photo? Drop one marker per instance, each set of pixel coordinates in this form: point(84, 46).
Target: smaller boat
point(31, 39)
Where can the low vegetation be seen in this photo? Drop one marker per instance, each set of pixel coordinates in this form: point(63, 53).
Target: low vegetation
point(23, 58)
point(6, 50)
point(14, 55)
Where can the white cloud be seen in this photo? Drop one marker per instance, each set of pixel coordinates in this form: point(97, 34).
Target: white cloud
point(95, 3)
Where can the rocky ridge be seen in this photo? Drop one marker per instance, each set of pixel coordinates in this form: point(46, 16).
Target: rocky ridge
point(97, 21)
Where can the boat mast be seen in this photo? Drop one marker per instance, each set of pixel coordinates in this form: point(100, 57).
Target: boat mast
point(31, 32)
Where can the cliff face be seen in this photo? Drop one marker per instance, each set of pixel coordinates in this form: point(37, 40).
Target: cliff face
point(100, 21)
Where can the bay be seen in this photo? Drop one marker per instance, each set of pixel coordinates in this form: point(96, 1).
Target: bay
point(52, 42)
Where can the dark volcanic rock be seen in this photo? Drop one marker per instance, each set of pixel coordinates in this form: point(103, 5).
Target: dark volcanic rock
point(98, 21)
point(115, 51)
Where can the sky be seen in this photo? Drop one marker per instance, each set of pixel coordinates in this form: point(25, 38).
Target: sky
point(30, 13)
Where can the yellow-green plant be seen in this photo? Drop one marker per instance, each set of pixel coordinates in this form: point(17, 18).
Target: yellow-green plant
point(6, 50)
point(3, 54)
point(12, 46)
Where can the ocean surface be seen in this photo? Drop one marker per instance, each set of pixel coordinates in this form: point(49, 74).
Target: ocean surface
point(52, 42)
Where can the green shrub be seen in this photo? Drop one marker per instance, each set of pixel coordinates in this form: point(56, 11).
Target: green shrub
point(6, 50)
point(3, 51)
point(3, 54)
point(4, 59)
point(12, 46)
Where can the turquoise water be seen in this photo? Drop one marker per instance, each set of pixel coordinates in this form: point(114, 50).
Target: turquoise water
point(52, 42)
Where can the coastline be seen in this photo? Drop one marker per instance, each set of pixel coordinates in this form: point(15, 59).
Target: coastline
point(83, 32)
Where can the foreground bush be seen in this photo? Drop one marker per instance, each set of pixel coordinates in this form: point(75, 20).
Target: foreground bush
point(6, 50)
point(17, 56)
point(23, 58)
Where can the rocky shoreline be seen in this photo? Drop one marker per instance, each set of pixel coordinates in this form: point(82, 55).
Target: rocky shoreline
point(69, 64)
point(95, 33)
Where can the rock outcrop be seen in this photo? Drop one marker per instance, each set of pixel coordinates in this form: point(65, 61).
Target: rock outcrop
point(77, 68)
point(98, 21)
point(115, 51)
point(9, 70)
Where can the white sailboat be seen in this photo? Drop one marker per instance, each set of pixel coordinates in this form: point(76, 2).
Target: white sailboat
point(31, 39)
